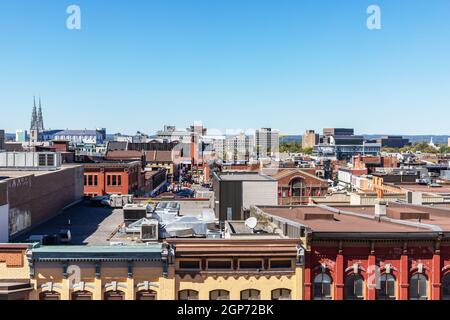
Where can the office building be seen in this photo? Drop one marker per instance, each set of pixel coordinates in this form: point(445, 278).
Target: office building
point(310, 139)
point(266, 143)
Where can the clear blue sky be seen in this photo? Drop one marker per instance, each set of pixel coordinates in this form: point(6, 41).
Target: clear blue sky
point(291, 65)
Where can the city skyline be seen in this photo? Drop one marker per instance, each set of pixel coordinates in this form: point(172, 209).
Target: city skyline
point(256, 64)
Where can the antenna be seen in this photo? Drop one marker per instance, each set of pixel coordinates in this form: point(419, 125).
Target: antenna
point(251, 222)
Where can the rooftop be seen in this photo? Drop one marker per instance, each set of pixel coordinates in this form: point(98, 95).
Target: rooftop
point(244, 176)
point(89, 225)
point(8, 174)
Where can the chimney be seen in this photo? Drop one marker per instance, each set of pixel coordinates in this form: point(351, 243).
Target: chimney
point(380, 208)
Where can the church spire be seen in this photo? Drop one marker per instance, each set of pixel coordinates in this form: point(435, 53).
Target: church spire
point(40, 119)
point(33, 125)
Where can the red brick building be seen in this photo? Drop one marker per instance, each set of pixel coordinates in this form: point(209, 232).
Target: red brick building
point(295, 186)
point(113, 178)
point(401, 252)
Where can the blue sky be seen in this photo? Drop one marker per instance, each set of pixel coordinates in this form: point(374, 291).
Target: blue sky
point(291, 65)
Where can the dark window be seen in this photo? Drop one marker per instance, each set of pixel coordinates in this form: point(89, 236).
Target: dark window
point(49, 295)
point(109, 180)
point(188, 295)
point(219, 295)
point(95, 180)
point(354, 285)
point(322, 287)
point(446, 287)
point(281, 294)
point(250, 294)
point(219, 264)
point(90, 180)
point(82, 295)
point(418, 287)
point(114, 180)
point(119, 180)
point(280, 264)
point(250, 264)
point(146, 295)
point(387, 287)
point(189, 264)
point(42, 159)
point(114, 295)
point(85, 180)
point(50, 159)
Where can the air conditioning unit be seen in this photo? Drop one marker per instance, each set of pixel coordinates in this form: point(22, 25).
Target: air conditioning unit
point(149, 231)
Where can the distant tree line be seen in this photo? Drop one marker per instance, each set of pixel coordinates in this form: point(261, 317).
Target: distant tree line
point(294, 147)
point(422, 147)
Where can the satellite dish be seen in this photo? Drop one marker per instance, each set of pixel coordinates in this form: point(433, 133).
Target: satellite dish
point(251, 222)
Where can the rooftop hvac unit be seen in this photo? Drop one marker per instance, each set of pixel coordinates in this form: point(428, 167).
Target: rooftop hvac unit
point(149, 231)
point(133, 212)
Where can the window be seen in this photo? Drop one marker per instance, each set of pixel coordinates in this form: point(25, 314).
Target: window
point(354, 285)
point(82, 295)
point(85, 180)
point(250, 294)
point(280, 264)
point(418, 287)
point(387, 287)
point(119, 180)
point(250, 264)
point(95, 180)
point(219, 295)
point(49, 295)
point(322, 287)
point(114, 295)
point(114, 180)
point(281, 294)
point(188, 295)
point(189, 264)
point(146, 295)
point(42, 160)
point(446, 287)
point(109, 180)
point(219, 265)
point(90, 180)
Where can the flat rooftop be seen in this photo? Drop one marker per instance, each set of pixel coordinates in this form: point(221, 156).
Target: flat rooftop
point(443, 189)
point(89, 225)
point(8, 174)
point(322, 220)
point(244, 176)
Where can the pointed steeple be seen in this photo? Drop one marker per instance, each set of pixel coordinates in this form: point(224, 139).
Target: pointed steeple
point(40, 120)
point(33, 125)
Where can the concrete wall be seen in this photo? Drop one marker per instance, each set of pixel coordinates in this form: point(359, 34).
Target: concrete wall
point(259, 193)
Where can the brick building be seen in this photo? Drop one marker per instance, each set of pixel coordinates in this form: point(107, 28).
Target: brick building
point(394, 252)
point(295, 186)
point(113, 178)
point(29, 197)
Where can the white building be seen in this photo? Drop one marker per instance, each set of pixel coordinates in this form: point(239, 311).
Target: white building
point(81, 136)
point(233, 149)
point(267, 143)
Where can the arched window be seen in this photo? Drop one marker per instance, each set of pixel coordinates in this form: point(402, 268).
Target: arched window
point(219, 295)
point(81, 295)
point(146, 295)
point(49, 295)
point(386, 290)
point(188, 295)
point(281, 294)
point(418, 287)
point(250, 294)
point(114, 295)
point(354, 285)
point(322, 287)
point(446, 287)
